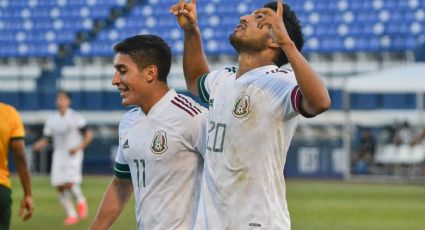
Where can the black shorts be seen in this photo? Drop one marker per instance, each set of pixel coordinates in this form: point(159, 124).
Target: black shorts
point(5, 207)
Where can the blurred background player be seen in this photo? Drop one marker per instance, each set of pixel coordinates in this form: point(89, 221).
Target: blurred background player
point(243, 184)
point(160, 142)
point(70, 135)
point(364, 154)
point(12, 137)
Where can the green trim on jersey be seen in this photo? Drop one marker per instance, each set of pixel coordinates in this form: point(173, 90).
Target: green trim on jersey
point(122, 171)
point(202, 91)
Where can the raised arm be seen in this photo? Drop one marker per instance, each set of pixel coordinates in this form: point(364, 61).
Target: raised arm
point(315, 97)
point(18, 149)
point(194, 60)
point(116, 197)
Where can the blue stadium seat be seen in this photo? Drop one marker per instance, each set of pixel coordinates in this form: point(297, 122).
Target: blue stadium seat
point(43, 24)
point(98, 48)
point(41, 12)
point(47, 100)
point(330, 44)
point(100, 11)
point(50, 3)
point(92, 101)
point(29, 101)
point(76, 100)
point(11, 98)
point(9, 49)
point(65, 36)
point(373, 44)
point(113, 101)
point(6, 36)
point(325, 17)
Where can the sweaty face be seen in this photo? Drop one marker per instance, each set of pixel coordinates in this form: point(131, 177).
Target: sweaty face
point(128, 80)
point(247, 37)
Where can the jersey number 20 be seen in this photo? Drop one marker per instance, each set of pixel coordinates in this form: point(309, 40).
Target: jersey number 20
point(216, 134)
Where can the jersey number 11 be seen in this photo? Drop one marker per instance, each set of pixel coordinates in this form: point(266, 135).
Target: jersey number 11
point(140, 164)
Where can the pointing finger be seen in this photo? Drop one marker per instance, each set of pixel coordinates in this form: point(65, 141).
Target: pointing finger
point(279, 8)
point(181, 4)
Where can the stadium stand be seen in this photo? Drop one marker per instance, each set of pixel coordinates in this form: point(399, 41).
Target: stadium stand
point(400, 160)
point(403, 154)
point(67, 30)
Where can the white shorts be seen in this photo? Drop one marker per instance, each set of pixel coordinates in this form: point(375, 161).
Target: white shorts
point(66, 168)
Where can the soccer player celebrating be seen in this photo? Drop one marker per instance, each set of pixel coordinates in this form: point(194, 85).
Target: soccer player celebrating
point(70, 135)
point(160, 142)
point(253, 113)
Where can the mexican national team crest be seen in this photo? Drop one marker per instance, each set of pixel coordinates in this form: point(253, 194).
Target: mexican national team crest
point(241, 108)
point(159, 142)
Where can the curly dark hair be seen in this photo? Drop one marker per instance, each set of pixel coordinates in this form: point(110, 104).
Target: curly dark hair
point(146, 50)
point(293, 26)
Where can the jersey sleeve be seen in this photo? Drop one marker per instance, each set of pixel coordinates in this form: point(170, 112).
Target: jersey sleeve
point(121, 168)
point(18, 130)
point(200, 133)
point(47, 130)
point(291, 102)
point(82, 122)
point(296, 97)
point(283, 89)
point(285, 93)
point(208, 82)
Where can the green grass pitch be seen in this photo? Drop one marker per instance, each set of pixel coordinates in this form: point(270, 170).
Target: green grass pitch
point(312, 204)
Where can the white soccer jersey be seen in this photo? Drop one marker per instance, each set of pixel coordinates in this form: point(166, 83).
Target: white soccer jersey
point(251, 122)
point(66, 134)
point(161, 152)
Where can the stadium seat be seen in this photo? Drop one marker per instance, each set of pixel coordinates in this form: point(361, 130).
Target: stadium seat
point(11, 98)
point(47, 100)
point(29, 101)
point(93, 100)
point(77, 99)
point(113, 101)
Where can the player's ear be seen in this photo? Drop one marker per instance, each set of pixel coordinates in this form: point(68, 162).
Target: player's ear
point(272, 44)
point(151, 73)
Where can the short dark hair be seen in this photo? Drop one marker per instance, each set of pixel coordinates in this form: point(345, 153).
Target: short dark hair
point(66, 93)
point(146, 50)
point(293, 26)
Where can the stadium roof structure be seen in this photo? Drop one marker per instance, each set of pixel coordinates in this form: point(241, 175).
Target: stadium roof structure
point(403, 79)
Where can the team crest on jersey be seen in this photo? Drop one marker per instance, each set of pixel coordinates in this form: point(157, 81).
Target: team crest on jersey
point(241, 108)
point(159, 142)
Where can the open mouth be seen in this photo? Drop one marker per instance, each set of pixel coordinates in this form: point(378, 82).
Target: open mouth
point(240, 26)
point(123, 91)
